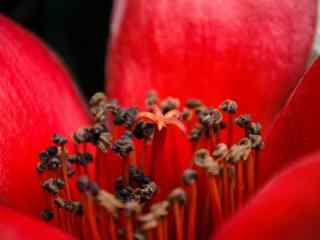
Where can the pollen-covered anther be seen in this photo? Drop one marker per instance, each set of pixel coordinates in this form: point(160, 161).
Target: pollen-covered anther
point(202, 158)
point(229, 106)
point(240, 151)
point(132, 208)
point(97, 98)
point(160, 209)
point(256, 141)
point(82, 135)
point(210, 117)
point(213, 168)
point(178, 195)
point(148, 222)
point(109, 202)
point(220, 151)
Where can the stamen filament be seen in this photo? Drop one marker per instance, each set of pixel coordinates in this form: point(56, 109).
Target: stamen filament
point(129, 228)
point(240, 182)
point(226, 190)
point(113, 231)
point(91, 217)
point(251, 174)
point(216, 208)
point(192, 211)
point(178, 220)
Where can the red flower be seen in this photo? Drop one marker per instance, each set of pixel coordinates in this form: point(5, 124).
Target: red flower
point(236, 49)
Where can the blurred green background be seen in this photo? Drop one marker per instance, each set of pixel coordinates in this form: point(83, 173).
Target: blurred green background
point(76, 29)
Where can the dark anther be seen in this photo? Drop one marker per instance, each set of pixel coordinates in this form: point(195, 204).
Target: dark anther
point(84, 158)
point(186, 113)
point(59, 202)
point(137, 177)
point(54, 163)
point(152, 98)
point(46, 215)
point(178, 195)
point(189, 176)
point(59, 182)
point(253, 128)
point(124, 145)
point(143, 130)
point(83, 183)
point(59, 140)
point(118, 185)
point(52, 151)
point(73, 158)
point(70, 171)
point(193, 103)
point(41, 167)
point(195, 134)
point(220, 151)
point(44, 156)
point(93, 189)
point(243, 120)
point(229, 106)
point(126, 116)
point(256, 141)
point(169, 104)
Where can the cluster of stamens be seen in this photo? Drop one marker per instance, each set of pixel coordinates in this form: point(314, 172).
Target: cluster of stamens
point(219, 179)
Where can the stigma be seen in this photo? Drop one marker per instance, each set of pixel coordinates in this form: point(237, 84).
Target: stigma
point(151, 198)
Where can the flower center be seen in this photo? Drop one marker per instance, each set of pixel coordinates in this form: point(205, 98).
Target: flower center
point(147, 201)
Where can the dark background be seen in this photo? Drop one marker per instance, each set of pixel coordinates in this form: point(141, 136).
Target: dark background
point(76, 29)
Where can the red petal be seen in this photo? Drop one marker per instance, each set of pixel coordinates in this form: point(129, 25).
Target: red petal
point(297, 128)
point(37, 99)
point(14, 226)
point(287, 208)
point(211, 50)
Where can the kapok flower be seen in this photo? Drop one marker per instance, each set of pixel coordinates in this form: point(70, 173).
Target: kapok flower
point(154, 141)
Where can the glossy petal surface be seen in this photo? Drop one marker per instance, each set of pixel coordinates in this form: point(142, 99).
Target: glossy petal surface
point(297, 128)
point(211, 50)
point(37, 99)
point(14, 226)
point(286, 208)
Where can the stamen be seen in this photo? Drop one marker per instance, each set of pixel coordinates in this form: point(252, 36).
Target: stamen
point(189, 178)
point(220, 179)
point(178, 198)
